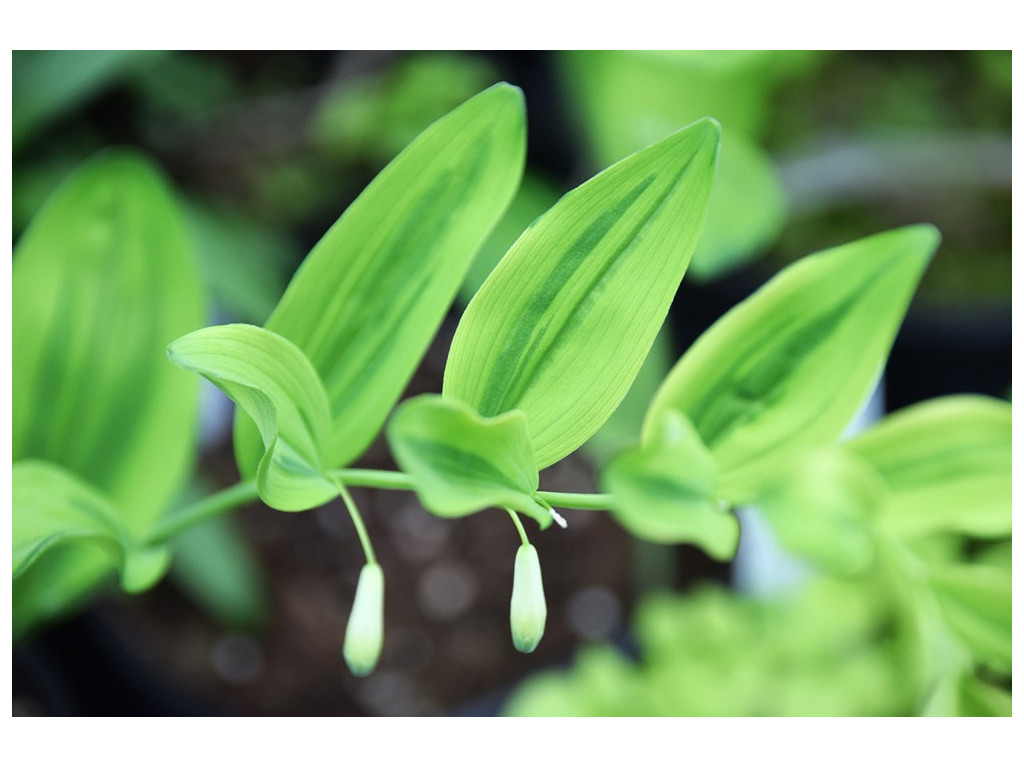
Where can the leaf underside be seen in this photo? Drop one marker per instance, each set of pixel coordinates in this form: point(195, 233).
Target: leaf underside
point(463, 462)
point(52, 508)
point(273, 382)
point(665, 491)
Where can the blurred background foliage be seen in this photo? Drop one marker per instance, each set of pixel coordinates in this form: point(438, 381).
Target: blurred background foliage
point(839, 143)
point(266, 149)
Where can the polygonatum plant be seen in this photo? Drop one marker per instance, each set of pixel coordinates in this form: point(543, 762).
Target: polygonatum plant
point(543, 355)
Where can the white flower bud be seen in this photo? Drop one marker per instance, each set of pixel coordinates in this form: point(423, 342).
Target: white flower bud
point(529, 611)
point(364, 636)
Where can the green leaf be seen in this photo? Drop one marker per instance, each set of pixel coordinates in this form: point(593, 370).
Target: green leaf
point(563, 324)
point(368, 300)
point(976, 601)
point(787, 368)
point(948, 464)
point(535, 196)
point(823, 510)
point(463, 462)
point(52, 507)
point(276, 385)
point(103, 279)
point(943, 700)
point(665, 491)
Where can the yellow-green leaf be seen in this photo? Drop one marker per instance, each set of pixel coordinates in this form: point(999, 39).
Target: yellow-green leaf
point(787, 368)
point(563, 324)
point(948, 464)
point(824, 509)
point(276, 385)
point(463, 462)
point(52, 507)
point(977, 603)
point(103, 279)
point(665, 491)
point(368, 299)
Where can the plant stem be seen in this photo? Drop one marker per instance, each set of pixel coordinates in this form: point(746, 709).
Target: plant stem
point(357, 521)
point(519, 526)
point(578, 500)
point(222, 501)
point(400, 481)
point(374, 478)
point(244, 492)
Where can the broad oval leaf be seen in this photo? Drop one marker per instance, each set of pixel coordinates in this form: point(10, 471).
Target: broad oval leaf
point(463, 462)
point(665, 491)
point(787, 368)
point(103, 279)
point(52, 507)
point(948, 464)
point(368, 299)
point(536, 194)
point(563, 324)
point(276, 385)
point(824, 509)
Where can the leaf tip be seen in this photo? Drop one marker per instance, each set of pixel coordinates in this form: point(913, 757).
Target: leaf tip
point(928, 235)
point(703, 137)
point(174, 350)
point(709, 126)
point(506, 94)
point(915, 243)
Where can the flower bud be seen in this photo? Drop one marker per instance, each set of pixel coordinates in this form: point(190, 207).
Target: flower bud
point(364, 636)
point(529, 611)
